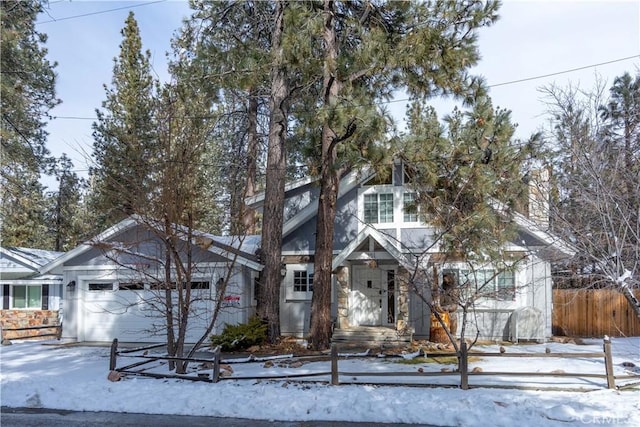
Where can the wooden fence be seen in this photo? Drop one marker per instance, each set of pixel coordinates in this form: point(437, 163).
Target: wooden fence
point(593, 313)
point(338, 377)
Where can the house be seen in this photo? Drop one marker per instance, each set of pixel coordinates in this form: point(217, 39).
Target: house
point(376, 243)
point(113, 283)
point(29, 298)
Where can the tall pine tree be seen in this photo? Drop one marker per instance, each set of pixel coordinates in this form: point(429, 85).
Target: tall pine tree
point(66, 213)
point(125, 135)
point(231, 44)
point(369, 50)
point(27, 90)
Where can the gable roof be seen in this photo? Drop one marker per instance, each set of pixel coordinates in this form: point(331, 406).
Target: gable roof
point(550, 244)
point(16, 262)
point(228, 247)
point(348, 182)
point(258, 199)
point(381, 239)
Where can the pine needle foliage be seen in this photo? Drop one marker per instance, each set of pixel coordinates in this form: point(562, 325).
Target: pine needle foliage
point(459, 167)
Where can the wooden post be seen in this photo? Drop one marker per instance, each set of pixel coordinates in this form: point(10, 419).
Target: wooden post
point(334, 365)
point(114, 354)
point(216, 365)
point(608, 364)
point(463, 366)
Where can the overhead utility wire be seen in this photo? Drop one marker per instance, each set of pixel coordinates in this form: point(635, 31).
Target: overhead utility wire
point(100, 12)
point(408, 99)
point(564, 72)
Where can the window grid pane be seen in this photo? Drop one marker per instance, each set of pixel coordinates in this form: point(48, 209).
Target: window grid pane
point(33, 296)
point(300, 281)
point(19, 297)
point(410, 208)
point(386, 208)
point(506, 285)
point(371, 208)
point(486, 281)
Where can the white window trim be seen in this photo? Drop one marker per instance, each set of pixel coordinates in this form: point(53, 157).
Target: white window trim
point(488, 301)
point(398, 207)
point(290, 294)
point(12, 297)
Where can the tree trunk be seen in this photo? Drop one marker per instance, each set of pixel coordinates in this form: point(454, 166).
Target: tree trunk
point(269, 302)
point(248, 214)
point(627, 291)
point(320, 329)
point(168, 301)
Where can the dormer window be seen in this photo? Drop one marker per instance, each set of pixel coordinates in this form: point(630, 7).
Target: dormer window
point(378, 208)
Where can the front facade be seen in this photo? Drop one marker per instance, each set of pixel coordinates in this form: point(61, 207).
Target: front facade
point(387, 271)
point(381, 246)
point(114, 286)
point(29, 299)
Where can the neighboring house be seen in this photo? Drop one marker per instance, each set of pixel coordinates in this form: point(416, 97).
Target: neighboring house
point(375, 245)
point(112, 283)
point(29, 298)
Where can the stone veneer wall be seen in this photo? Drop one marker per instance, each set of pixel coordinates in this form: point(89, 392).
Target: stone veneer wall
point(342, 276)
point(28, 318)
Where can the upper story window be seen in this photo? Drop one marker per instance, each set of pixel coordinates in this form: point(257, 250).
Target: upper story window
point(409, 207)
point(378, 208)
point(302, 281)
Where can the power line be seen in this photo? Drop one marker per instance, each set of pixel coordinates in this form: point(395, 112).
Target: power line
point(564, 72)
point(408, 99)
point(66, 18)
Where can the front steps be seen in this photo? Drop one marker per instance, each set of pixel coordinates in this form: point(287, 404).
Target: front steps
point(369, 336)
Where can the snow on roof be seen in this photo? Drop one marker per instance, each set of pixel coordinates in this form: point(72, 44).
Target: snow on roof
point(247, 244)
point(36, 256)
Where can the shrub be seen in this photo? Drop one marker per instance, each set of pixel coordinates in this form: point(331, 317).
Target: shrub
point(244, 335)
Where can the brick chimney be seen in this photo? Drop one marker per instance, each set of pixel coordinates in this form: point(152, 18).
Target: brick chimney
point(539, 190)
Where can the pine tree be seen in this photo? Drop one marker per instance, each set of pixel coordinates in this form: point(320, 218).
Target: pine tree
point(27, 90)
point(369, 50)
point(460, 169)
point(249, 53)
point(125, 135)
point(66, 213)
point(230, 46)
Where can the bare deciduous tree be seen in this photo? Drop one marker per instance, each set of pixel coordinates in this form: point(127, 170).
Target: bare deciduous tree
point(598, 182)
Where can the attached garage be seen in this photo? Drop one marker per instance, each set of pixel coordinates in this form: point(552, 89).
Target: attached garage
point(117, 286)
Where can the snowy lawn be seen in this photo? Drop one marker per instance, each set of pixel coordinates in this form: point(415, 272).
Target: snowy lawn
point(75, 378)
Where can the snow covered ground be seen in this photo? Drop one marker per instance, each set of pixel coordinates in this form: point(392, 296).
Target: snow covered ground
point(37, 374)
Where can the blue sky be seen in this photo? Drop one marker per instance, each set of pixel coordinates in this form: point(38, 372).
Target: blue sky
point(532, 38)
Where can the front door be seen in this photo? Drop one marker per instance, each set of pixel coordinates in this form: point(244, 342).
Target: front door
point(369, 299)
